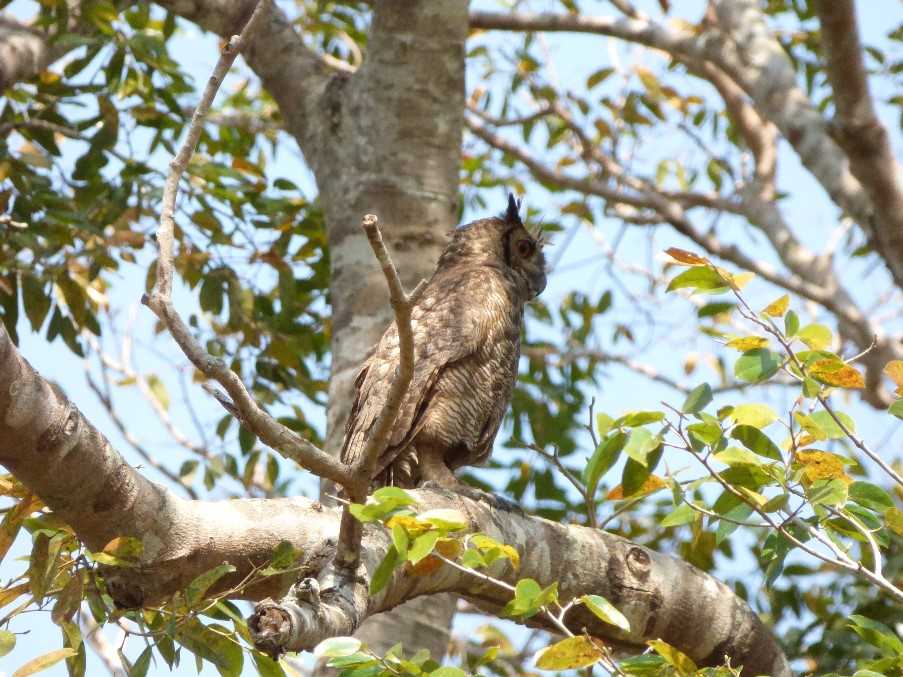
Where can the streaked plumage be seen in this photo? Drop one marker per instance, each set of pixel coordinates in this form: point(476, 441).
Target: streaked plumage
point(467, 325)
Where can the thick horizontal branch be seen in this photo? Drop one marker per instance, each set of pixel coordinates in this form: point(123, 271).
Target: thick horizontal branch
point(661, 596)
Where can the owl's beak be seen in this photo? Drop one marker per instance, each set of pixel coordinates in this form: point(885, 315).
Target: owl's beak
point(538, 281)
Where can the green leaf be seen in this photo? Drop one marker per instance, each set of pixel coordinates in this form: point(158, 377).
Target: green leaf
point(141, 666)
point(708, 432)
point(682, 514)
point(605, 610)
point(737, 456)
point(422, 546)
point(699, 278)
point(448, 671)
point(877, 634)
point(827, 492)
point(816, 336)
point(822, 426)
point(394, 495)
point(444, 519)
point(529, 598)
point(158, 390)
point(213, 643)
point(791, 323)
point(198, 588)
point(757, 441)
point(400, 540)
point(640, 443)
point(896, 409)
point(698, 399)
point(335, 647)
point(569, 654)
point(284, 556)
point(384, 570)
point(604, 423)
point(35, 300)
point(7, 642)
point(636, 418)
point(605, 456)
point(870, 496)
point(757, 365)
point(756, 415)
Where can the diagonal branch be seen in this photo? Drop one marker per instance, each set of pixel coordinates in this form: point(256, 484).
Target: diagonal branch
point(859, 131)
point(268, 429)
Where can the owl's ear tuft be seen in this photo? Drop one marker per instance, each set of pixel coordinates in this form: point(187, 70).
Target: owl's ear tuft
point(512, 214)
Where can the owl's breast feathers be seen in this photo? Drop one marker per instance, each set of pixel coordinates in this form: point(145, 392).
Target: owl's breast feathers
point(466, 327)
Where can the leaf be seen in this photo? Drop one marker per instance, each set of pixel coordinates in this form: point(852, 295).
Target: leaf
point(422, 546)
point(393, 495)
point(699, 278)
point(213, 643)
point(606, 611)
point(568, 654)
point(141, 666)
point(736, 456)
point(758, 365)
point(685, 257)
point(827, 492)
point(44, 662)
point(652, 484)
point(335, 647)
point(698, 399)
point(791, 323)
point(605, 456)
point(68, 601)
point(198, 588)
point(747, 343)
point(604, 422)
point(836, 373)
point(444, 519)
point(756, 415)
point(894, 519)
point(778, 307)
point(680, 661)
point(35, 300)
point(448, 671)
point(492, 550)
point(870, 496)
point(757, 441)
point(637, 418)
point(384, 570)
point(816, 336)
point(682, 514)
point(158, 390)
point(896, 408)
point(284, 556)
point(7, 642)
point(822, 426)
point(821, 465)
point(639, 445)
point(529, 598)
point(894, 370)
point(400, 540)
point(877, 634)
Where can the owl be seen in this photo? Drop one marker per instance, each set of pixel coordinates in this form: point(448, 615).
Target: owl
point(467, 325)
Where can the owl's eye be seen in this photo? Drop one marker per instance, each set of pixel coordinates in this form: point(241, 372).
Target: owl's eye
point(525, 248)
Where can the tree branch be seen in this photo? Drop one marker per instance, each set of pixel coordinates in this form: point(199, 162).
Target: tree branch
point(859, 131)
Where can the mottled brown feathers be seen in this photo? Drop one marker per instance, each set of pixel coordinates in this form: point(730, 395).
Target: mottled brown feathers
point(466, 325)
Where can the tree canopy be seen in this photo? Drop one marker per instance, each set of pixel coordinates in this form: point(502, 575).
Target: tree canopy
point(708, 406)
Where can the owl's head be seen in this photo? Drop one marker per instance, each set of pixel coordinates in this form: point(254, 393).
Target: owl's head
point(502, 242)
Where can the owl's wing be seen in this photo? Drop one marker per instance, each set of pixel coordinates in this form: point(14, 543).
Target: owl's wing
point(450, 321)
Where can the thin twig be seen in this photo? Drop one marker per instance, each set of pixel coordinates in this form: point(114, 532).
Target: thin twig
point(364, 467)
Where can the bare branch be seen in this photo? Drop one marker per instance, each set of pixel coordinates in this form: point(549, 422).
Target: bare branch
point(363, 470)
point(859, 131)
point(268, 429)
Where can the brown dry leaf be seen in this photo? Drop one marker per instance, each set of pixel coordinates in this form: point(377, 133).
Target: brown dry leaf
point(836, 373)
point(685, 257)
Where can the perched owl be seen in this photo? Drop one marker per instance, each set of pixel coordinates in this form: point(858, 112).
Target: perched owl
point(467, 325)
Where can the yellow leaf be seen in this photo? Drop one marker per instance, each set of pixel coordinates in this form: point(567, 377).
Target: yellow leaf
point(685, 257)
point(652, 484)
point(569, 654)
point(836, 373)
point(894, 519)
point(821, 465)
point(744, 343)
point(778, 308)
point(894, 369)
point(740, 280)
point(44, 662)
point(678, 659)
point(408, 523)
